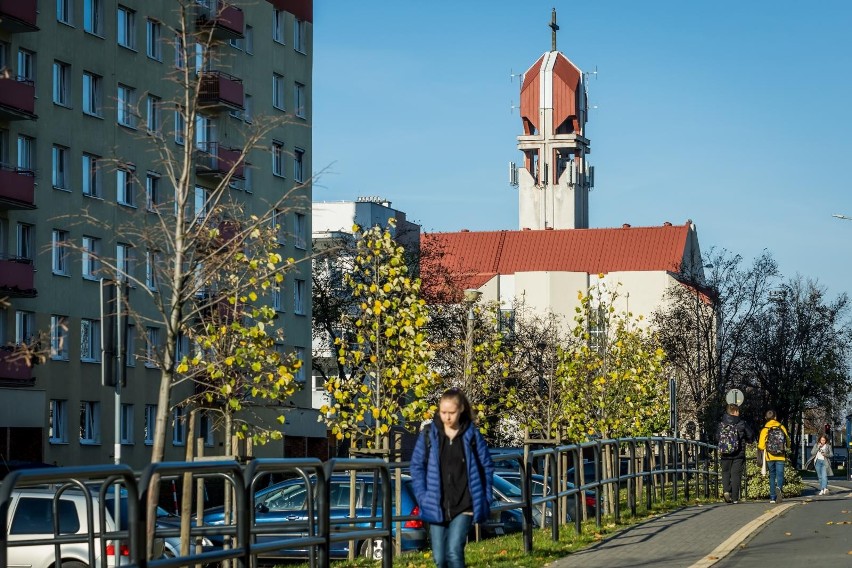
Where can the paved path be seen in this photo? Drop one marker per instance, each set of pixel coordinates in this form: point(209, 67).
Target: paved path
point(724, 535)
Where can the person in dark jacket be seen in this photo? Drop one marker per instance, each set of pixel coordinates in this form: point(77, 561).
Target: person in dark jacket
point(451, 472)
point(734, 463)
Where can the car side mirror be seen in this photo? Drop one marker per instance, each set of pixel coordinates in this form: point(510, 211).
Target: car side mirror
point(261, 508)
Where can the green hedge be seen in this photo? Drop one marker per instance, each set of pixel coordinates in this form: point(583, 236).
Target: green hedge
point(757, 486)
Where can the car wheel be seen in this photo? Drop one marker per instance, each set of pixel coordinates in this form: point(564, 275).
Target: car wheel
point(74, 564)
point(168, 554)
point(378, 549)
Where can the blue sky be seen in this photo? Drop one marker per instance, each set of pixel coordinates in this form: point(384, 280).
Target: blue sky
point(737, 115)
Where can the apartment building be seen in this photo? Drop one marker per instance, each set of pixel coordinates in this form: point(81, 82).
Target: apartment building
point(87, 93)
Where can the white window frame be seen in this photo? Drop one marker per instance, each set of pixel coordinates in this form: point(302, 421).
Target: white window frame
point(300, 374)
point(65, 12)
point(92, 94)
point(26, 158)
point(90, 255)
point(178, 426)
point(59, 252)
point(25, 234)
point(278, 297)
point(300, 289)
point(154, 39)
point(299, 99)
point(249, 43)
point(201, 202)
point(126, 421)
point(123, 261)
point(90, 422)
point(151, 260)
point(93, 17)
point(180, 52)
point(59, 338)
point(26, 65)
point(61, 80)
point(152, 191)
point(91, 175)
point(300, 30)
point(279, 221)
point(59, 171)
point(153, 117)
point(298, 165)
point(126, 97)
point(277, 158)
point(278, 26)
point(300, 231)
point(206, 429)
point(150, 423)
point(130, 345)
point(180, 127)
point(125, 190)
point(278, 91)
point(58, 421)
point(126, 27)
point(25, 327)
point(152, 347)
point(90, 340)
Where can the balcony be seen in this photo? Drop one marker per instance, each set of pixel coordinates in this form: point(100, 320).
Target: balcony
point(17, 188)
point(18, 16)
point(17, 277)
point(15, 369)
point(17, 99)
point(220, 91)
point(214, 161)
point(228, 22)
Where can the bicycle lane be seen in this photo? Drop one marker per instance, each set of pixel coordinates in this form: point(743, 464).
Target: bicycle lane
point(695, 537)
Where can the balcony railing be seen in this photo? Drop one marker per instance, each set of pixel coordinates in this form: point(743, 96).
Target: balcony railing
point(17, 188)
point(17, 99)
point(17, 277)
point(14, 368)
point(228, 21)
point(18, 16)
point(221, 90)
point(214, 160)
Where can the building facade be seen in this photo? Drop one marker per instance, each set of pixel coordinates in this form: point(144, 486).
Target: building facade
point(91, 120)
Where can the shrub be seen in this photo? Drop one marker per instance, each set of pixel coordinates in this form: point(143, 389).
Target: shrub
point(757, 486)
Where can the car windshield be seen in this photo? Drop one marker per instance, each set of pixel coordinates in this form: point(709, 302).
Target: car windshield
point(506, 488)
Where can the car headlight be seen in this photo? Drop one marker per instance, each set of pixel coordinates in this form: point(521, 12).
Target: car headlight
point(206, 541)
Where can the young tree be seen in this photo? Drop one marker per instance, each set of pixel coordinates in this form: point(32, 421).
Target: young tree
point(387, 358)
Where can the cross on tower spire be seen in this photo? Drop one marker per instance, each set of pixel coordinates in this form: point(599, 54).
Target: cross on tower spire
point(554, 28)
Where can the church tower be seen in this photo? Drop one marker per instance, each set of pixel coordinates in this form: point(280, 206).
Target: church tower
point(554, 179)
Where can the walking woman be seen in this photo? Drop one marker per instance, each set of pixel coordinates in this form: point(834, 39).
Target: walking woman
point(821, 454)
point(451, 472)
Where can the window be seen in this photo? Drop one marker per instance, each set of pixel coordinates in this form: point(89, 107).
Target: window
point(26, 153)
point(205, 133)
point(180, 126)
point(178, 427)
point(150, 422)
point(151, 260)
point(34, 516)
point(126, 423)
point(152, 108)
point(124, 187)
point(277, 158)
point(201, 202)
point(300, 231)
point(277, 298)
point(180, 52)
point(249, 42)
point(238, 43)
point(203, 58)
point(280, 224)
point(26, 238)
point(59, 174)
point(126, 27)
point(152, 191)
point(90, 340)
point(152, 347)
point(278, 26)
point(61, 77)
point(298, 164)
point(91, 257)
point(24, 327)
point(278, 91)
point(59, 338)
point(153, 40)
point(64, 10)
point(300, 374)
point(299, 36)
point(299, 100)
point(58, 422)
point(59, 252)
point(206, 429)
point(130, 346)
point(123, 261)
point(507, 323)
point(127, 106)
point(26, 65)
point(91, 176)
point(247, 110)
point(4, 146)
point(299, 291)
point(93, 17)
point(90, 422)
point(92, 93)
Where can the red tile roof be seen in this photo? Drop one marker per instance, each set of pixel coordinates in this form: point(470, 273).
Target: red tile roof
point(475, 257)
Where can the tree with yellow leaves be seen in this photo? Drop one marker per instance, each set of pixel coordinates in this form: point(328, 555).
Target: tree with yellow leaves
point(387, 355)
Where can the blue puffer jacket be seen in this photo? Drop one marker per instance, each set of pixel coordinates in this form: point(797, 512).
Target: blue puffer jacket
point(426, 474)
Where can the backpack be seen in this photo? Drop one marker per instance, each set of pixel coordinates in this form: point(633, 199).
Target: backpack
point(729, 438)
point(776, 441)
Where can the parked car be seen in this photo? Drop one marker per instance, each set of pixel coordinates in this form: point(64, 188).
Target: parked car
point(31, 518)
point(286, 502)
point(589, 470)
point(538, 487)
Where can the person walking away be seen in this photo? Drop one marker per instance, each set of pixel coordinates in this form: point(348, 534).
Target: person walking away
point(774, 440)
point(734, 434)
point(451, 473)
point(822, 454)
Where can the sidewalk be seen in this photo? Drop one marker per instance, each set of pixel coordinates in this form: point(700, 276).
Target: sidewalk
point(694, 537)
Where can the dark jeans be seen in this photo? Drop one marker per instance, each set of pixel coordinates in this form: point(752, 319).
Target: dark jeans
point(732, 475)
point(448, 540)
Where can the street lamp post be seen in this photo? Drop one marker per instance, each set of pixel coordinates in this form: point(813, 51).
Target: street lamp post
point(471, 296)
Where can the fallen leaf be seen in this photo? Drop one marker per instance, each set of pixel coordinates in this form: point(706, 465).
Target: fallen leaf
point(791, 534)
point(830, 523)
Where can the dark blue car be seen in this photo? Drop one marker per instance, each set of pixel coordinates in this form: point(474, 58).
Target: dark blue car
point(286, 503)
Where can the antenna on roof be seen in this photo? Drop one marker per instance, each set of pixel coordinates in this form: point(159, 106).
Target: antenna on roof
point(587, 74)
point(512, 76)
